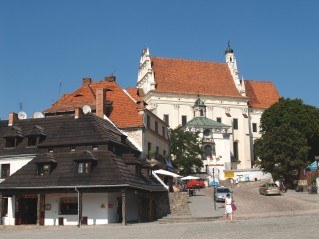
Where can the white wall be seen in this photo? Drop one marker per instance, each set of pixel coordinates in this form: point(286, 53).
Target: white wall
point(99, 208)
point(251, 175)
point(95, 206)
point(16, 161)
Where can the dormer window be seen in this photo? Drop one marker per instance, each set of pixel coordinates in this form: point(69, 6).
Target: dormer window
point(32, 141)
point(35, 135)
point(72, 149)
point(84, 167)
point(13, 136)
point(85, 161)
point(10, 142)
point(44, 169)
point(45, 163)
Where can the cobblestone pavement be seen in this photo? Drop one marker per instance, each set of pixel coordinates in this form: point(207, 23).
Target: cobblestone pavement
point(261, 228)
point(250, 204)
point(292, 215)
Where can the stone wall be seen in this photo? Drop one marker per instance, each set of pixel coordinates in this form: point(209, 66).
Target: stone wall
point(170, 203)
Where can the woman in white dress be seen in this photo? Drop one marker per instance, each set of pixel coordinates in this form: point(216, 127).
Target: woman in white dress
point(228, 208)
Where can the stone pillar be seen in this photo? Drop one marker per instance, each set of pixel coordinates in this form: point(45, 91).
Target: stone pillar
point(38, 208)
point(79, 209)
point(1, 209)
point(124, 208)
point(151, 207)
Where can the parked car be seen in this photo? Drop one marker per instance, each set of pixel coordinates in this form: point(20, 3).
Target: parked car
point(195, 184)
point(269, 189)
point(221, 193)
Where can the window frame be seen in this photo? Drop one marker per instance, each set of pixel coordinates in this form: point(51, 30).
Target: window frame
point(184, 120)
point(32, 141)
point(254, 126)
point(148, 121)
point(5, 173)
point(236, 151)
point(44, 169)
point(156, 126)
point(84, 167)
point(235, 123)
point(166, 119)
point(11, 142)
point(67, 210)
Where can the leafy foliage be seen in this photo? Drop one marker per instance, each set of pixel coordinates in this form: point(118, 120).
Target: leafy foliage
point(290, 137)
point(186, 148)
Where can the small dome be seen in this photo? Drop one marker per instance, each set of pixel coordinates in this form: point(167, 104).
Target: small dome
point(229, 49)
point(199, 102)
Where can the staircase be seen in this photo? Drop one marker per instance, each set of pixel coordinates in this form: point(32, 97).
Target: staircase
point(180, 212)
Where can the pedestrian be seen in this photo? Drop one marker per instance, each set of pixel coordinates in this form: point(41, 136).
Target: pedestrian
point(237, 182)
point(228, 208)
point(232, 183)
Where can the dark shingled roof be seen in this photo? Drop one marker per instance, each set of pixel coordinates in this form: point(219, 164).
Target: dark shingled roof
point(61, 130)
point(108, 169)
point(108, 172)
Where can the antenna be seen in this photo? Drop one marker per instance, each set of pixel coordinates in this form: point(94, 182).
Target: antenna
point(22, 115)
point(21, 106)
point(38, 115)
point(86, 109)
point(60, 86)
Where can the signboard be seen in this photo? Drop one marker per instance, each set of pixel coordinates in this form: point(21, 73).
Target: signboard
point(214, 183)
point(229, 174)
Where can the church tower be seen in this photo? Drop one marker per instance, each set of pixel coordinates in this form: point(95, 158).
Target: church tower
point(145, 78)
point(199, 108)
point(232, 65)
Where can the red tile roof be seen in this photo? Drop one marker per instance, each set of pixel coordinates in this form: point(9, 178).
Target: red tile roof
point(124, 111)
point(262, 94)
point(133, 92)
point(193, 77)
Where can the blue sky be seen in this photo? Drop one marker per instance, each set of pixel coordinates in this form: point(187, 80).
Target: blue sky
point(45, 44)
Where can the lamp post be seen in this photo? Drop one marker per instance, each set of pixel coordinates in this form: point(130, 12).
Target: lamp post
point(214, 188)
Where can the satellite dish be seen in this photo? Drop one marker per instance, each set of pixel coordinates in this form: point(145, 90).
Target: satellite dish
point(38, 115)
point(86, 109)
point(22, 115)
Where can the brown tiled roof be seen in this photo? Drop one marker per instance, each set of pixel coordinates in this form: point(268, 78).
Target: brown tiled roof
point(262, 94)
point(193, 77)
point(124, 112)
point(134, 94)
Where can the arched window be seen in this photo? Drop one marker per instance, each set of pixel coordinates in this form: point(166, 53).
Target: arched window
point(209, 150)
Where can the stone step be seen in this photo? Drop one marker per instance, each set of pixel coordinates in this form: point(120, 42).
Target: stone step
point(186, 219)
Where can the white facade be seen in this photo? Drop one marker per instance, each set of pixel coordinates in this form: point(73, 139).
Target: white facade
point(15, 161)
point(152, 137)
point(99, 208)
point(176, 107)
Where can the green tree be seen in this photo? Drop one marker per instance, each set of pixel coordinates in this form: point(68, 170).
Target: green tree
point(187, 150)
point(290, 136)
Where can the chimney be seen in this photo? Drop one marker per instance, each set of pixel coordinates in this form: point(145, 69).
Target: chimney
point(78, 112)
point(86, 81)
point(100, 102)
point(12, 118)
point(109, 78)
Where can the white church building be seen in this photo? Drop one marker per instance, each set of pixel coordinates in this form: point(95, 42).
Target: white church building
point(171, 86)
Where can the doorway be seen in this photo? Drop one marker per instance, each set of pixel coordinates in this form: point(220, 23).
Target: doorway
point(26, 210)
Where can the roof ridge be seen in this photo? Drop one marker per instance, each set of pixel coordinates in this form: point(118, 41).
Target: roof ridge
point(183, 59)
